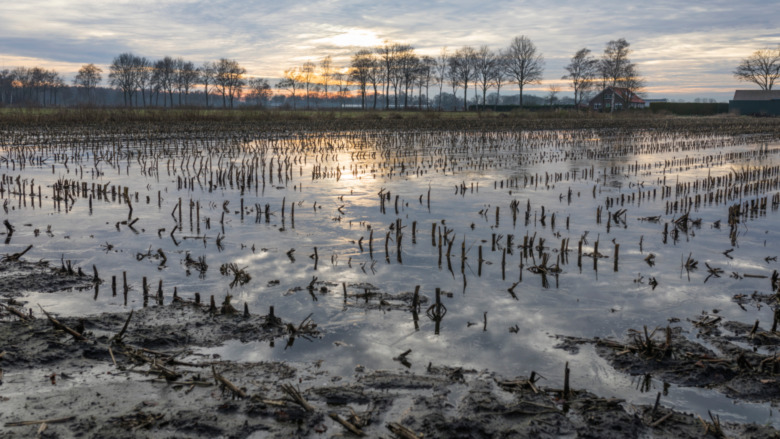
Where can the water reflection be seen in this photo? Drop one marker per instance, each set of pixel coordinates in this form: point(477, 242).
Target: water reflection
point(376, 216)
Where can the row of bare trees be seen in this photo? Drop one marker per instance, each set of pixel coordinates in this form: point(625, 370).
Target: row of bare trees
point(394, 68)
point(398, 71)
point(388, 76)
point(392, 72)
point(313, 79)
point(36, 85)
point(138, 76)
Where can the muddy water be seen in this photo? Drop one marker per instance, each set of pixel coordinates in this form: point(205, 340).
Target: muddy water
point(460, 186)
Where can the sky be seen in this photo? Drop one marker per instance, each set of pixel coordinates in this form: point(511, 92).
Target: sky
point(684, 50)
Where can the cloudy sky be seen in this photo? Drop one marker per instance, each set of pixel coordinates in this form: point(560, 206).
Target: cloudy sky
point(683, 49)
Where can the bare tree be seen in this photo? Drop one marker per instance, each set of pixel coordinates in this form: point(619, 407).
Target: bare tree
point(632, 81)
point(486, 63)
point(408, 69)
point(326, 71)
point(229, 80)
point(582, 72)
point(307, 72)
point(293, 80)
point(190, 75)
point(386, 54)
point(37, 84)
point(143, 77)
point(259, 91)
point(45, 83)
point(185, 76)
point(57, 83)
point(122, 75)
point(617, 70)
point(42, 81)
point(376, 80)
point(500, 75)
point(401, 69)
point(614, 62)
point(165, 76)
point(441, 71)
point(88, 77)
point(6, 87)
point(761, 68)
point(23, 81)
point(425, 73)
point(156, 85)
point(454, 79)
point(524, 63)
point(552, 94)
point(208, 74)
point(342, 82)
point(462, 69)
point(361, 72)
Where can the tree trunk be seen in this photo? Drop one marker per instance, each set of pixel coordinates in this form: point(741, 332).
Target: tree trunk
point(465, 91)
point(521, 94)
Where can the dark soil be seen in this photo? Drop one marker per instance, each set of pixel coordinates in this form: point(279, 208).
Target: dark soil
point(122, 375)
point(739, 360)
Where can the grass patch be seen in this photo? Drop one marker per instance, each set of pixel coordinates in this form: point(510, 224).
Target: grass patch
point(252, 120)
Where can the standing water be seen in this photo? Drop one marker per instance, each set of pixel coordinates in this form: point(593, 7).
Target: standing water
point(510, 241)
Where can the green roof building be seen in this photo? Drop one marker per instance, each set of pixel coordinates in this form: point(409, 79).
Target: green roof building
point(756, 102)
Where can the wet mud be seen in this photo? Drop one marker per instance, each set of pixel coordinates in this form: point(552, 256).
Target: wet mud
point(733, 358)
point(139, 374)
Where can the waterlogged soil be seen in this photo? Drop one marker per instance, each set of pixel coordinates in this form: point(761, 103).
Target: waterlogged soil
point(140, 374)
point(733, 358)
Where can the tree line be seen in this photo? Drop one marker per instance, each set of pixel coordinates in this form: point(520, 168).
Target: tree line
point(34, 85)
point(151, 80)
point(395, 70)
point(391, 75)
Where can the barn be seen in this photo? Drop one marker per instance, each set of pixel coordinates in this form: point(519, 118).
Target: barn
point(756, 102)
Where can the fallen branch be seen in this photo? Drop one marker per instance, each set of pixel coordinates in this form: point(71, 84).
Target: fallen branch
point(16, 312)
point(169, 374)
point(16, 256)
point(232, 387)
point(346, 424)
point(42, 421)
point(401, 431)
point(296, 396)
point(661, 419)
point(59, 325)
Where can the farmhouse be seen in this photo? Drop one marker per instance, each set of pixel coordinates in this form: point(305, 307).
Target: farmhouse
point(621, 97)
point(756, 102)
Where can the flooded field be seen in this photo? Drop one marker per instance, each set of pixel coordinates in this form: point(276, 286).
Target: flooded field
point(481, 250)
